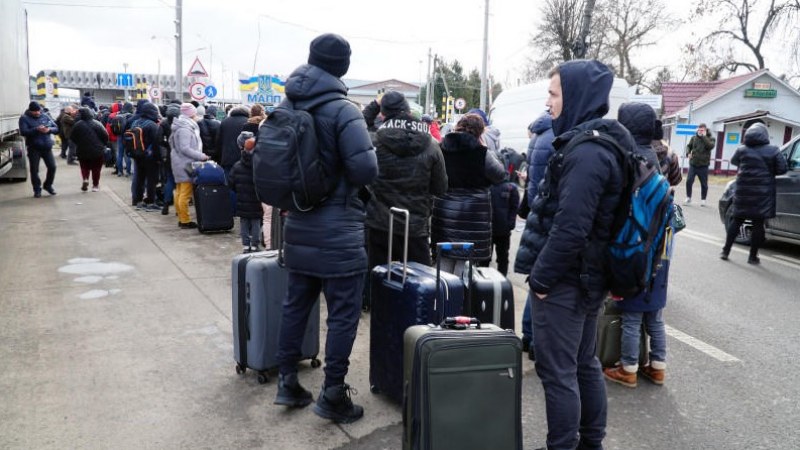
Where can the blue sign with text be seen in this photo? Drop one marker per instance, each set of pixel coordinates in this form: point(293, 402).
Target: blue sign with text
point(125, 79)
point(686, 129)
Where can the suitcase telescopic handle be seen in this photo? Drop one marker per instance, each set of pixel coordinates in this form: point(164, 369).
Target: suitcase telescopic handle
point(441, 248)
point(392, 212)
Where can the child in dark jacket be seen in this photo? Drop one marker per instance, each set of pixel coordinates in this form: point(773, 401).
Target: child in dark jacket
point(505, 204)
point(248, 207)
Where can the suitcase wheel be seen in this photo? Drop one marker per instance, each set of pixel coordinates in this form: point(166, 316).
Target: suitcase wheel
point(263, 378)
point(240, 369)
point(374, 389)
point(315, 363)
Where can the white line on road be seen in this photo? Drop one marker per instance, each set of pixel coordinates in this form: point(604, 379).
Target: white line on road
point(785, 261)
point(708, 349)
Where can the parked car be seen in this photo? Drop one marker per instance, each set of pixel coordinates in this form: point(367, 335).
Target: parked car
point(785, 226)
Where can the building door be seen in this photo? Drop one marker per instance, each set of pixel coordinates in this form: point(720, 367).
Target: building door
point(787, 134)
point(718, 155)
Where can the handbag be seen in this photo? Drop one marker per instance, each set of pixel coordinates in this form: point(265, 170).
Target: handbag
point(677, 221)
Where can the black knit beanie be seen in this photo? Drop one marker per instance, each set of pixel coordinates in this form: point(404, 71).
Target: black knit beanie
point(331, 53)
point(393, 104)
point(34, 106)
point(658, 132)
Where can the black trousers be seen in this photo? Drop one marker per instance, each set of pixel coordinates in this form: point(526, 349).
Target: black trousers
point(756, 237)
point(147, 175)
point(500, 244)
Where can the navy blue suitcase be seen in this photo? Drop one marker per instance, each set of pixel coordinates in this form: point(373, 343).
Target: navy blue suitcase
point(404, 294)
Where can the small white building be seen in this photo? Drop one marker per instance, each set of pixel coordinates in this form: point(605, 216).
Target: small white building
point(728, 107)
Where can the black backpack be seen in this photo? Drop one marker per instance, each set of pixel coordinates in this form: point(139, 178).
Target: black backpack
point(118, 123)
point(640, 228)
point(287, 169)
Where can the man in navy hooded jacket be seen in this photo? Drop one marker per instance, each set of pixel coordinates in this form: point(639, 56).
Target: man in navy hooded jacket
point(563, 243)
point(324, 247)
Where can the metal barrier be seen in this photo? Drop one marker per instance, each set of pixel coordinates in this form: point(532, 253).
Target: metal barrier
point(715, 170)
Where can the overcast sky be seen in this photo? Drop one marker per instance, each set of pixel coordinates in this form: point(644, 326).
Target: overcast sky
point(392, 42)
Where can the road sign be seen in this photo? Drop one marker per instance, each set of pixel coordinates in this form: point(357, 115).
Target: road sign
point(211, 91)
point(197, 91)
point(155, 92)
point(460, 103)
point(197, 69)
point(686, 129)
point(125, 79)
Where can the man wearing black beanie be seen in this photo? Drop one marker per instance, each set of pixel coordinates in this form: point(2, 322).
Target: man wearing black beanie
point(324, 248)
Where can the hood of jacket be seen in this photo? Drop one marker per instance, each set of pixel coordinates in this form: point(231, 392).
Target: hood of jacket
point(149, 111)
point(182, 122)
point(127, 108)
point(640, 120)
point(211, 112)
point(309, 86)
point(611, 127)
point(460, 142)
point(542, 124)
point(241, 111)
point(756, 135)
point(585, 85)
point(85, 113)
point(173, 111)
point(404, 136)
point(115, 108)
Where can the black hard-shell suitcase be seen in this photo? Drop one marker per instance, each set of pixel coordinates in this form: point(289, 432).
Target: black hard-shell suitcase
point(462, 387)
point(490, 296)
point(212, 204)
point(258, 287)
point(404, 294)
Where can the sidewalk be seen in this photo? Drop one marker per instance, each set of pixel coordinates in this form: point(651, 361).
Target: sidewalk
point(118, 334)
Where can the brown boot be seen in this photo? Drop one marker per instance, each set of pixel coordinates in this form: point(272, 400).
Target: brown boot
point(654, 375)
point(620, 375)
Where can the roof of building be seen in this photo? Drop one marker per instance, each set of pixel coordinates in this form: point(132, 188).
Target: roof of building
point(757, 114)
point(678, 95)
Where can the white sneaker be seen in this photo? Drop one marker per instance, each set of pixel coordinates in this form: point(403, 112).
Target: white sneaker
point(95, 188)
point(702, 203)
point(687, 201)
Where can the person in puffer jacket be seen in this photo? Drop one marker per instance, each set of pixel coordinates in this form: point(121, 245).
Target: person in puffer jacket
point(411, 172)
point(90, 138)
point(186, 147)
point(464, 213)
point(248, 207)
point(324, 248)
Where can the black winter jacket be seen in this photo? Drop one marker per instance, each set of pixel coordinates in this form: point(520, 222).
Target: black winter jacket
point(570, 223)
point(759, 163)
point(229, 130)
point(464, 213)
point(505, 204)
point(411, 171)
point(540, 148)
point(148, 118)
point(328, 241)
point(89, 135)
point(209, 130)
point(640, 120)
point(33, 137)
point(241, 181)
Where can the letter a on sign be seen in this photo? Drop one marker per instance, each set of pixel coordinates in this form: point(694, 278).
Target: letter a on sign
point(197, 69)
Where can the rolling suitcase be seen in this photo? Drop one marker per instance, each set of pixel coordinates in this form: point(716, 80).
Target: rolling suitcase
point(403, 294)
point(490, 296)
point(212, 204)
point(258, 287)
point(609, 336)
point(463, 387)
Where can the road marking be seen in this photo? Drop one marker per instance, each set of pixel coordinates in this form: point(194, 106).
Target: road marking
point(708, 349)
point(785, 261)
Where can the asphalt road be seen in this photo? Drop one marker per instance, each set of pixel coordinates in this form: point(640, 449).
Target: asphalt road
point(116, 333)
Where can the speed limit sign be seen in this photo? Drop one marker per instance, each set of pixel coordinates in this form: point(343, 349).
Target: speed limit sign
point(155, 92)
point(197, 91)
point(460, 103)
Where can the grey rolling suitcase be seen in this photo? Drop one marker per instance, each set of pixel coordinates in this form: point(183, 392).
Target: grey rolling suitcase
point(259, 285)
point(463, 387)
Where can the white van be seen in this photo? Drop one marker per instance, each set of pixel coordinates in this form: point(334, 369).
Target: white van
point(515, 109)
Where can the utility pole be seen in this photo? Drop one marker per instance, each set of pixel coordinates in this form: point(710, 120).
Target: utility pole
point(485, 55)
point(428, 94)
point(178, 51)
point(125, 65)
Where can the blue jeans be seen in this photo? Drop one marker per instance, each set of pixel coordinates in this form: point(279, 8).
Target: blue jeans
point(565, 341)
point(46, 155)
point(343, 298)
point(527, 326)
point(631, 328)
point(702, 174)
point(121, 157)
point(250, 231)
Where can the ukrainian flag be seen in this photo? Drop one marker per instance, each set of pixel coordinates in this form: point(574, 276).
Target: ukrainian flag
point(278, 85)
point(247, 83)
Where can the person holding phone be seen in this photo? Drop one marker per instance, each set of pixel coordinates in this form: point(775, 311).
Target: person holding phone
point(699, 152)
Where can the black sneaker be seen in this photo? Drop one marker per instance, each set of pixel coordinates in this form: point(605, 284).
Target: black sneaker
point(334, 403)
point(85, 185)
point(724, 255)
point(291, 393)
point(531, 354)
point(165, 210)
point(754, 260)
point(526, 345)
point(37, 194)
point(187, 225)
point(50, 190)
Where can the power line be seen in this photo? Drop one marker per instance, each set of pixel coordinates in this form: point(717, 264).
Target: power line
point(88, 5)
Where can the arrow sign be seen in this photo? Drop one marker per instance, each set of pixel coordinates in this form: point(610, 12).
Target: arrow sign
point(197, 69)
point(211, 91)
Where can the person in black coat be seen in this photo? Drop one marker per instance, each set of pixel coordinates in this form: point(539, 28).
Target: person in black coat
point(464, 213)
point(324, 248)
point(90, 138)
point(209, 130)
point(248, 207)
point(754, 197)
point(229, 130)
point(37, 128)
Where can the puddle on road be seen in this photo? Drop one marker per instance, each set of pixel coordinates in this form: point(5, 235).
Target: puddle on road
point(93, 271)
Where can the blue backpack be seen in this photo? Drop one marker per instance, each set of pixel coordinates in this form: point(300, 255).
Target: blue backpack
point(638, 234)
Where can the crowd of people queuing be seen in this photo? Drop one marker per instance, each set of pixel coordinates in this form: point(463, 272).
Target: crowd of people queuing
point(458, 185)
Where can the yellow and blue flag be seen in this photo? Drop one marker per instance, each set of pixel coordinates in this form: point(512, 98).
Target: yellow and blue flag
point(247, 83)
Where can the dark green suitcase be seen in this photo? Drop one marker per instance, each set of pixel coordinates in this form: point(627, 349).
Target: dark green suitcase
point(609, 337)
point(462, 387)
